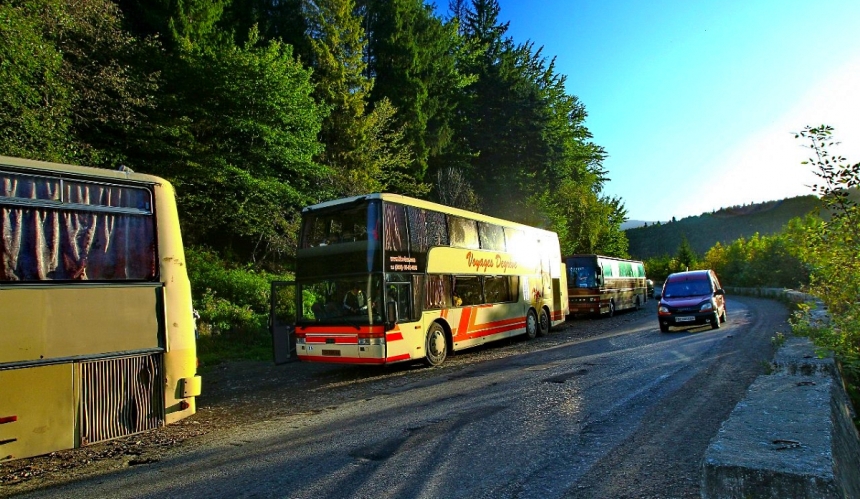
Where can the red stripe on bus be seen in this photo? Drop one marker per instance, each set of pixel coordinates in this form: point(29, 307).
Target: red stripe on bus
point(496, 328)
point(515, 322)
point(344, 360)
point(8, 419)
point(398, 358)
point(394, 336)
point(339, 329)
point(463, 328)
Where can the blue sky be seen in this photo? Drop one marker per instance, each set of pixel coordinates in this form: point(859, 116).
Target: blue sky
point(696, 101)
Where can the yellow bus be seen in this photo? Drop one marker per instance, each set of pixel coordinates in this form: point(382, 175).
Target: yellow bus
point(601, 285)
point(384, 278)
point(97, 333)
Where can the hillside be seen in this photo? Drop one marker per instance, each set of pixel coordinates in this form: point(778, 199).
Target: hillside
point(725, 226)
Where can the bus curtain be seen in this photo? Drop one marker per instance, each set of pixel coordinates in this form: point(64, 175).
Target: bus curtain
point(47, 244)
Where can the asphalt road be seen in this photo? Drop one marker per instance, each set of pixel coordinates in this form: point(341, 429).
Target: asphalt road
point(600, 408)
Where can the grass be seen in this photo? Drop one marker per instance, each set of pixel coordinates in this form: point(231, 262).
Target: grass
point(215, 349)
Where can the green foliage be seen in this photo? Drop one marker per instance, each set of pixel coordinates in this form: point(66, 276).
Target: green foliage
point(831, 249)
point(35, 106)
point(238, 144)
point(233, 304)
point(585, 222)
point(659, 267)
point(777, 340)
point(686, 257)
point(415, 58)
point(365, 148)
point(242, 286)
point(71, 88)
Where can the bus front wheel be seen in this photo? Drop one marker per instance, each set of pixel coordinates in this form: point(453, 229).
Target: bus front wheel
point(531, 325)
point(436, 345)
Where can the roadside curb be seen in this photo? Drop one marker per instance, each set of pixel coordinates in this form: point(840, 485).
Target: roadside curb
point(791, 436)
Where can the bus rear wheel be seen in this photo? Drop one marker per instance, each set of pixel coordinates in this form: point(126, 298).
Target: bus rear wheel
point(435, 346)
point(543, 323)
point(531, 325)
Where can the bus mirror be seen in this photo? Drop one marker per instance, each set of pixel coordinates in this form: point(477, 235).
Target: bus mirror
point(391, 312)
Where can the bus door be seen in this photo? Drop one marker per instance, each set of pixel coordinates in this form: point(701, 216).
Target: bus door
point(545, 273)
point(282, 321)
point(401, 329)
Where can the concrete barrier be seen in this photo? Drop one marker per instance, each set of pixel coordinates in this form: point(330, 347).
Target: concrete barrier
point(792, 436)
point(777, 293)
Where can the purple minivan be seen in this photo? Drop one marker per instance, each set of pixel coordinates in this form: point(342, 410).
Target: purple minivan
point(691, 298)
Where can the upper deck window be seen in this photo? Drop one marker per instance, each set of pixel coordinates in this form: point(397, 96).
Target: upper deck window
point(396, 234)
point(351, 224)
point(463, 233)
point(492, 236)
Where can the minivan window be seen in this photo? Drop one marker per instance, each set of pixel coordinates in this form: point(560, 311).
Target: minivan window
point(681, 289)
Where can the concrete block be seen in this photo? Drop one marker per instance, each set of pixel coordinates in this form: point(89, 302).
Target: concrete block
point(776, 443)
point(797, 356)
point(792, 436)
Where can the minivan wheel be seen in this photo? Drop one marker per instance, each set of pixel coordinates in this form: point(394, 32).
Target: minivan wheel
point(725, 317)
point(715, 321)
point(664, 328)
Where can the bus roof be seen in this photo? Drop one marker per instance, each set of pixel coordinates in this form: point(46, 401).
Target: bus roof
point(602, 257)
point(420, 203)
point(87, 171)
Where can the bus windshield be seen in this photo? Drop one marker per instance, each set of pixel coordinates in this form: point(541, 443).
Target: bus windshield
point(581, 273)
point(355, 301)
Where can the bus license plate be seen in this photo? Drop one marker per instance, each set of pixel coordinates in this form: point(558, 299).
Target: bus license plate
point(684, 319)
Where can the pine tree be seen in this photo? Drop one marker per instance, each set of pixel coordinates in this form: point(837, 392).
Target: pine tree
point(412, 56)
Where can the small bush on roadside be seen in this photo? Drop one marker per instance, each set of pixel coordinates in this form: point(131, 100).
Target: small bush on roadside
point(233, 307)
point(777, 340)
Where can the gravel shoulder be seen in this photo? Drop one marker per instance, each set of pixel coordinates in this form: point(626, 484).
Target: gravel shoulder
point(661, 459)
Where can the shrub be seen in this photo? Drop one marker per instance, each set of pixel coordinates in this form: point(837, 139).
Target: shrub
point(233, 307)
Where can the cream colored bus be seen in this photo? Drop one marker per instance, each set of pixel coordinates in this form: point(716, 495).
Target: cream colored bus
point(97, 333)
point(383, 278)
point(602, 285)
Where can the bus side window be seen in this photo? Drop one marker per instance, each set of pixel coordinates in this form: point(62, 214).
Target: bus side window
point(468, 288)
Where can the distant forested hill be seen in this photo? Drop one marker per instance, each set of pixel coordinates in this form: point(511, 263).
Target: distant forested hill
point(725, 226)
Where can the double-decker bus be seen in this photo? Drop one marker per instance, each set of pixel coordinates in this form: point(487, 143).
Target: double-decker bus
point(97, 333)
point(600, 285)
point(384, 278)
